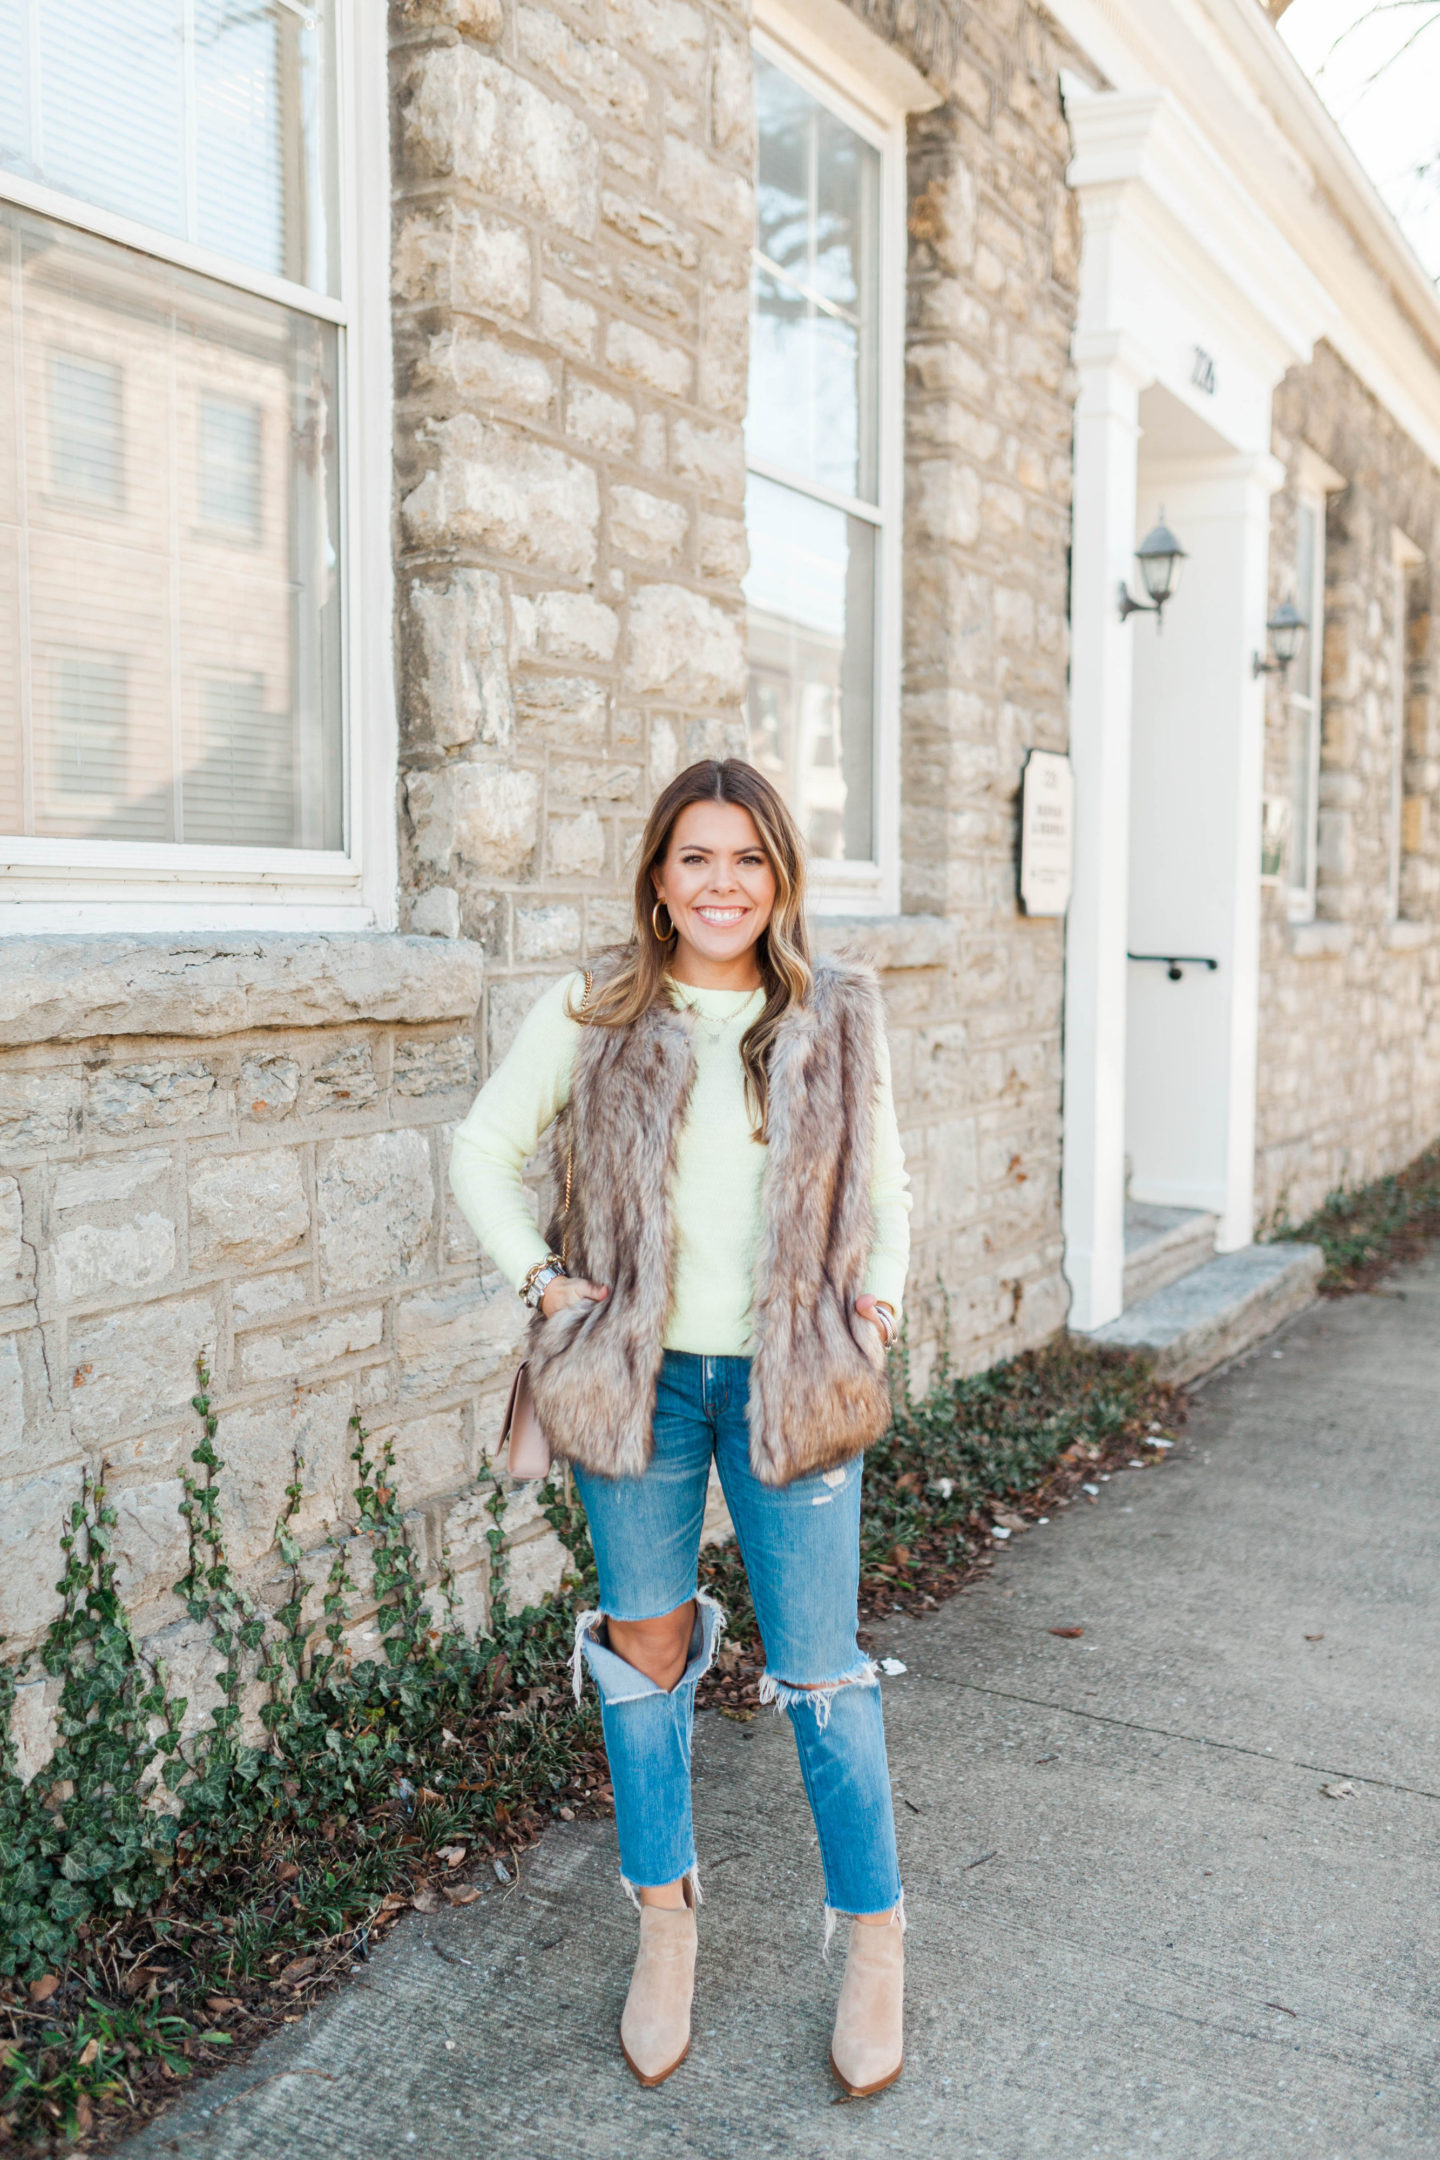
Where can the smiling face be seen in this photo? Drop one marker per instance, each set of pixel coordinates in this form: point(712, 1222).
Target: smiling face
point(719, 889)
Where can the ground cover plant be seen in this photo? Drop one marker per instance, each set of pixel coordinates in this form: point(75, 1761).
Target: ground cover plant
point(168, 1895)
point(1367, 1231)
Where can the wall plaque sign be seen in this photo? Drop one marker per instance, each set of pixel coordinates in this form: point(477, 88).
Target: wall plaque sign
point(1047, 833)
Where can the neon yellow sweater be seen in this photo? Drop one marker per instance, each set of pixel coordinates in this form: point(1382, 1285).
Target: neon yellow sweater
point(715, 1192)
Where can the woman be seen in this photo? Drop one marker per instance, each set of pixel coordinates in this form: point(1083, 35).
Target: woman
point(723, 1282)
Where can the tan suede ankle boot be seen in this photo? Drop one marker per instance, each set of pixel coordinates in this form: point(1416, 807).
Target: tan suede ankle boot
point(867, 2052)
point(655, 2025)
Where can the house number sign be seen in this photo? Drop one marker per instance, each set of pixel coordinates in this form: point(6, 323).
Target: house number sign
point(1047, 833)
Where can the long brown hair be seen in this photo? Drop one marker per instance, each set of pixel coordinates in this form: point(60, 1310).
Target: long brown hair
point(783, 949)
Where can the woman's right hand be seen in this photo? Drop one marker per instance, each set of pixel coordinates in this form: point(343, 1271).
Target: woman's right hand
point(566, 1290)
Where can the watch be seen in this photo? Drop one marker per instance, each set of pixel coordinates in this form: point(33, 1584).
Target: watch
point(538, 1281)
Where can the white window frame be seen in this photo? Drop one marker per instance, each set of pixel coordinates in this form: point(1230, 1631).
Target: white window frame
point(872, 98)
point(99, 885)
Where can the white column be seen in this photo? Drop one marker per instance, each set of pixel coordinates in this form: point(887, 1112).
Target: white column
point(1106, 437)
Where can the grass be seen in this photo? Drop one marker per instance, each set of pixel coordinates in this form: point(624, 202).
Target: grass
point(390, 1786)
point(1366, 1232)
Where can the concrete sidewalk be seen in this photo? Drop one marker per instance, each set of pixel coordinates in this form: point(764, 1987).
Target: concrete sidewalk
point(1139, 1926)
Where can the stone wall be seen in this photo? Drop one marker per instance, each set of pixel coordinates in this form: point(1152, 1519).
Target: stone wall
point(253, 1171)
point(993, 285)
point(1349, 1075)
point(571, 339)
point(573, 214)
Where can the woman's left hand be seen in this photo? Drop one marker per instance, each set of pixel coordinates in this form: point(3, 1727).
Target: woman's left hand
point(865, 1306)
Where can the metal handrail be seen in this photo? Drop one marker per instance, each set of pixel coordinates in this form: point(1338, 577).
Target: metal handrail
point(1175, 963)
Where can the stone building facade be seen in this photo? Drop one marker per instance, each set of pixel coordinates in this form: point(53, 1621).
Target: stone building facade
point(231, 1141)
point(1349, 1071)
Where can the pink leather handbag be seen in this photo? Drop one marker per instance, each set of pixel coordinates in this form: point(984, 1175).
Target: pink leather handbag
point(529, 1455)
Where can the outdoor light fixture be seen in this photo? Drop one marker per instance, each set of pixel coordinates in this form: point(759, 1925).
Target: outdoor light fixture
point(1159, 556)
point(1286, 628)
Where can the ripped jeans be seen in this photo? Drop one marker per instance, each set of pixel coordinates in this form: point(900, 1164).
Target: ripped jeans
point(801, 1548)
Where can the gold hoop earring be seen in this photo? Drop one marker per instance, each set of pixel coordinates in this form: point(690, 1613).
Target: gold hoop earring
point(662, 937)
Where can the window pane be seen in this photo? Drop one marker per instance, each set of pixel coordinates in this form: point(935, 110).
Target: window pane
point(1305, 701)
point(811, 594)
point(812, 370)
point(230, 463)
point(210, 120)
point(177, 521)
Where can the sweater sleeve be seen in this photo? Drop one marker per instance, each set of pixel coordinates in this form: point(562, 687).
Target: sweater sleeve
point(889, 1195)
point(520, 1100)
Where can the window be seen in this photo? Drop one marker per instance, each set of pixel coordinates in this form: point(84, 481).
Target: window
point(230, 464)
point(822, 445)
point(89, 741)
point(85, 432)
point(1405, 818)
point(1303, 688)
point(184, 386)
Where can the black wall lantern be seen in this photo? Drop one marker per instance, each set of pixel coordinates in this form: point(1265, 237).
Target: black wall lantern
point(1159, 556)
point(1286, 627)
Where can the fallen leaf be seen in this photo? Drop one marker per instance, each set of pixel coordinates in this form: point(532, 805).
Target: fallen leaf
point(220, 2004)
point(87, 2054)
point(135, 1979)
point(1315, 1638)
point(447, 1737)
point(426, 1900)
point(84, 2114)
point(463, 1894)
point(737, 1717)
point(1071, 1634)
point(428, 1792)
point(1282, 2006)
point(452, 1855)
point(393, 1900)
point(1338, 1789)
point(42, 1989)
point(567, 1814)
point(299, 1968)
point(287, 1871)
point(1010, 1520)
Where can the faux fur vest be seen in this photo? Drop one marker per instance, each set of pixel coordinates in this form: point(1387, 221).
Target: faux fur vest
point(818, 1392)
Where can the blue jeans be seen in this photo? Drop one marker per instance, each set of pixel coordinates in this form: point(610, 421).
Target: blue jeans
point(801, 1548)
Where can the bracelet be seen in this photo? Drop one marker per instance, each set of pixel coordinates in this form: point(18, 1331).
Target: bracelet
point(551, 1266)
point(890, 1327)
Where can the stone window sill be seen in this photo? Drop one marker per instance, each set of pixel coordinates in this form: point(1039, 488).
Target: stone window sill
point(1409, 936)
point(891, 943)
point(1321, 940)
point(71, 989)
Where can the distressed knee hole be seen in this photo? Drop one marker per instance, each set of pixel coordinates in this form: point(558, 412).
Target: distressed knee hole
point(619, 1681)
point(817, 1695)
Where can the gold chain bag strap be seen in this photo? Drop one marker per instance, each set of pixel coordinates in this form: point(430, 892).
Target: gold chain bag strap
point(523, 1435)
